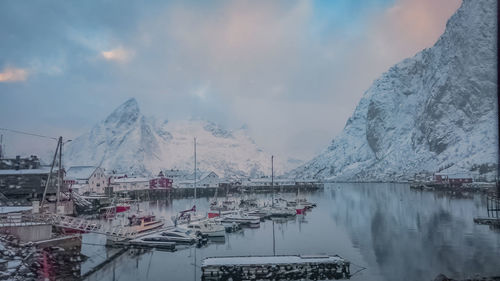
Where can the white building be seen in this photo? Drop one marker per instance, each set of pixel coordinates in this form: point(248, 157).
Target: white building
point(86, 179)
point(129, 184)
point(204, 179)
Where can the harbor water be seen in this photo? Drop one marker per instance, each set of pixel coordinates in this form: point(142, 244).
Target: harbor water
point(387, 231)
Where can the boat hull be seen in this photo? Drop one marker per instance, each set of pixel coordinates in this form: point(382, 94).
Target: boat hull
point(122, 208)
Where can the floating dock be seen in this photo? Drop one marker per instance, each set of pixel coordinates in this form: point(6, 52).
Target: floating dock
point(136, 244)
point(488, 221)
point(312, 267)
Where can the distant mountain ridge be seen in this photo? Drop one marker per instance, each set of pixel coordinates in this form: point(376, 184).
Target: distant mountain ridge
point(127, 141)
point(433, 111)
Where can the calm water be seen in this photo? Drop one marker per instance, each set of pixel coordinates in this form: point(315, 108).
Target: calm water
point(392, 231)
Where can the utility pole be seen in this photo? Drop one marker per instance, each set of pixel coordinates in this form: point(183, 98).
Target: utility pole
point(49, 176)
point(59, 175)
point(1, 146)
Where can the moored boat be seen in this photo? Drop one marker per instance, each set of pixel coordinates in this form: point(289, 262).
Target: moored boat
point(122, 207)
point(242, 219)
point(177, 235)
point(187, 216)
point(144, 223)
point(207, 228)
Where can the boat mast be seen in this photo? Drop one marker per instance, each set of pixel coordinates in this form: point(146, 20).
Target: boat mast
point(272, 178)
point(195, 169)
point(194, 202)
point(272, 188)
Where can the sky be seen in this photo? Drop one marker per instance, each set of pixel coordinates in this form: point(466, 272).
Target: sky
point(292, 71)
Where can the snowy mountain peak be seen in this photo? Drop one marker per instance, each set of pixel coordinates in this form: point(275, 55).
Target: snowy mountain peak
point(217, 131)
point(128, 142)
point(436, 109)
point(126, 114)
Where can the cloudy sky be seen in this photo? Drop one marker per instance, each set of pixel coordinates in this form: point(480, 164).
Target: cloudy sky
point(292, 71)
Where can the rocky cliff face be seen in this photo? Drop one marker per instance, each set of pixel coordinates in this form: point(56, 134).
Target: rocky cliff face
point(433, 111)
point(127, 141)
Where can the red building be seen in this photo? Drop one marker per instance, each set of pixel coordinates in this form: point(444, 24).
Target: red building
point(160, 182)
point(456, 179)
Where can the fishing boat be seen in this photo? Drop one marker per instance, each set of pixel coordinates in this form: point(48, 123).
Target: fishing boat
point(227, 206)
point(144, 223)
point(122, 207)
point(187, 216)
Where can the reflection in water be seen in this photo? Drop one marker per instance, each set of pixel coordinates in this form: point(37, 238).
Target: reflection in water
point(397, 233)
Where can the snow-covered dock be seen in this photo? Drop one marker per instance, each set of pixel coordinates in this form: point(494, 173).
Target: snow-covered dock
point(164, 246)
point(488, 221)
point(275, 267)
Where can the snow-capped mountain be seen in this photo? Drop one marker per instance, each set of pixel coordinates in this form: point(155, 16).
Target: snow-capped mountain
point(127, 141)
point(433, 111)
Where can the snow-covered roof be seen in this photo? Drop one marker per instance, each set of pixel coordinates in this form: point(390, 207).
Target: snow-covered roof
point(459, 176)
point(125, 180)
point(206, 174)
point(186, 182)
point(25, 171)
point(12, 209)
point(80, 172)
point(269, 180)
point(455, 175)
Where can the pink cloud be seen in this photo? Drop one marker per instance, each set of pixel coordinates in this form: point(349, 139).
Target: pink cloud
point(412, 25)
point(119, 54)
point(13, 74)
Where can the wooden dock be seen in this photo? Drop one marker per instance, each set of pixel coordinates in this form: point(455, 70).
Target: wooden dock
point(291, 267)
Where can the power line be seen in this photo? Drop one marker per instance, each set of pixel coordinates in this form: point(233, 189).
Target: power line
point(27, 133)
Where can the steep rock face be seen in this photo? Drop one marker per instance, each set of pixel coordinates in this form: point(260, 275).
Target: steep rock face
point(432, 111)
point(126, 141)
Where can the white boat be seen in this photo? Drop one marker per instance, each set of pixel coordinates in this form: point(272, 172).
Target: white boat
point(282, 212)
point(304, 203)
point(241, 218)
point(177, 235)
point(262, 213)
point(153, 241)
point(208, 228)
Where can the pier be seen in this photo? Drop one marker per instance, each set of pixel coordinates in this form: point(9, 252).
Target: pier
point(493, 212)
point(290, 267)
point(187, 192)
